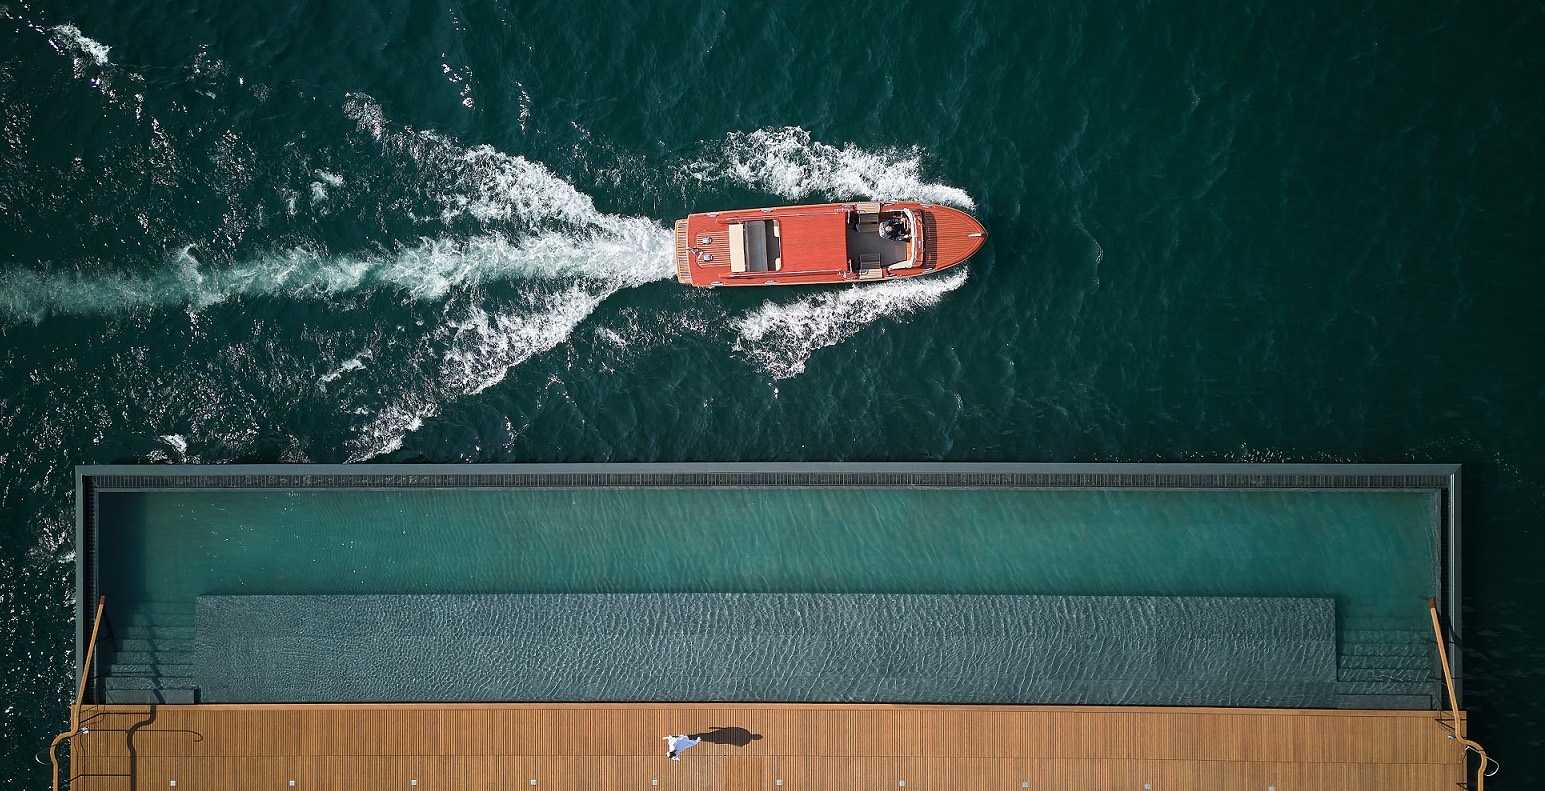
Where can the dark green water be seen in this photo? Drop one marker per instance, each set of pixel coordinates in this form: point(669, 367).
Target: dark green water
point(401, 231)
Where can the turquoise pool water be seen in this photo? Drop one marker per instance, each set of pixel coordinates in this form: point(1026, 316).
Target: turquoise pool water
point(1373, 552)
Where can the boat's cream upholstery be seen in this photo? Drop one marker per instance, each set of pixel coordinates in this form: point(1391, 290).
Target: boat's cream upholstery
point(755, 247)
point(737, 248)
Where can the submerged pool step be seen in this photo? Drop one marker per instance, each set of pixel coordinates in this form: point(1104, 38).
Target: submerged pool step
point(141, 618)
point(1409, 661)
point(161, 645)
point(1411, 701)
point(155, 631)
point(116, 682)
point(147, 655)
point(154, 696)
point(769, 647)
point(182, 669)
point(1396, 656)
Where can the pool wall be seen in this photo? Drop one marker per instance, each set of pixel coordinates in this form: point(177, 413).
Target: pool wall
point(1438, 478)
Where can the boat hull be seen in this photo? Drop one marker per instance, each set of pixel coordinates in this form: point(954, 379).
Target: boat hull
point(822, 244)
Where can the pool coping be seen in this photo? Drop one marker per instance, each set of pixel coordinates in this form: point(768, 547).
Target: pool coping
point(1444, 479)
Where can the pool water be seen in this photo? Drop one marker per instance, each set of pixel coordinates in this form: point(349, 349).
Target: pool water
point(1374, 553)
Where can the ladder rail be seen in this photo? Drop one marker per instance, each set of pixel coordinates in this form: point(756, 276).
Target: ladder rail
point(80, 693)
point(1453, 700)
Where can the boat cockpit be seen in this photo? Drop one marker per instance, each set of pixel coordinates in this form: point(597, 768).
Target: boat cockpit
point(881, 241)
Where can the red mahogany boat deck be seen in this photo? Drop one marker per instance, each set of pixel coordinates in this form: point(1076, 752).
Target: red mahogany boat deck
point(823, 243)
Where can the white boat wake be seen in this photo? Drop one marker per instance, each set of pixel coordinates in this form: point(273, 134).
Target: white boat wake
point(513, 260)
point(781, 336)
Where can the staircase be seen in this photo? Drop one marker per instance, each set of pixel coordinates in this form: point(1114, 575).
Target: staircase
point(1387, 663)
point(147, 657)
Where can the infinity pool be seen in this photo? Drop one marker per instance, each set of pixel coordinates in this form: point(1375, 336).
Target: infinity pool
point(1371, 556)
point(1374, 552)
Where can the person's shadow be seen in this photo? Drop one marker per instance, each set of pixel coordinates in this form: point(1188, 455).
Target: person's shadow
point(734, 737)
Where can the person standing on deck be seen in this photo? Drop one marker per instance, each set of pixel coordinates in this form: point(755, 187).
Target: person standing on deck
point(675, 745)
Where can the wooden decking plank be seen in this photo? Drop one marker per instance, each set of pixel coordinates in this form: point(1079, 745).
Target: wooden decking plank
point(606, 746)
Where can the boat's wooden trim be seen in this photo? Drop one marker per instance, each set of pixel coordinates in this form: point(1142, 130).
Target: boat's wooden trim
point(951, 237)
point(814, 244)
point(683, 261)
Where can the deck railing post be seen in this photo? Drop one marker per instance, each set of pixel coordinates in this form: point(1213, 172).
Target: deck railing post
point(80, 693)
point(1453, 699)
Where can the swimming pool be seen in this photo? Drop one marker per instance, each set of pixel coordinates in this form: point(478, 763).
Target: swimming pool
point(1376, 551)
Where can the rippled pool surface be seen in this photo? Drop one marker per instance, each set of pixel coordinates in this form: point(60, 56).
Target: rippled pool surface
point(1370, 555)
point(915, 648)
point(1373, 552)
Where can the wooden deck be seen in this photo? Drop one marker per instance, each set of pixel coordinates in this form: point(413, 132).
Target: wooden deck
point(840, 747)
point(815, 252)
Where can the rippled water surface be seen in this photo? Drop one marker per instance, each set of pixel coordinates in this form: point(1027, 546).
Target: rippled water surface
point(397, 232)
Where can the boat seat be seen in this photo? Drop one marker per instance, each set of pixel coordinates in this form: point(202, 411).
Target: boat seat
point(755, 246)
point(868, 265)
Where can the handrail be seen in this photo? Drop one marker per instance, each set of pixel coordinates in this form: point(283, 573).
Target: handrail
point(1453, 699)
point(80, 693)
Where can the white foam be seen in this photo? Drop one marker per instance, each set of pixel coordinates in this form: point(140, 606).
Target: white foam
point(541, 229)
point(788, 162)
point(81, 48)
point(487, 347)
point(523, 99)
point(354, 363)
point(781, 336)
point(176, 450)
point(390, 428)
point(483, 347)
point(638, 253)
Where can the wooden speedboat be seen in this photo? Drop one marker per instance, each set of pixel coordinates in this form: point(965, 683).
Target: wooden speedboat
point(823, 243)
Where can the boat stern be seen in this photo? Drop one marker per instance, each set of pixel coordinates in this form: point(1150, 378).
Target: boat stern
point(683, 255)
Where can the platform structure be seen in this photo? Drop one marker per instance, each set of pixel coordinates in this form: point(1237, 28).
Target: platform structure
point(170, 744)
point(599, 747)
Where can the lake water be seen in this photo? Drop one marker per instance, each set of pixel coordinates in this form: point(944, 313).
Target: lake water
point(397, 231)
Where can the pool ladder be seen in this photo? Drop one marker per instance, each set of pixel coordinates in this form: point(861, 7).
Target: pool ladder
point(1488, 766)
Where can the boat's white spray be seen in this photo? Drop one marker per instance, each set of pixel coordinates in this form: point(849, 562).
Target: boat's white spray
point(782, 334)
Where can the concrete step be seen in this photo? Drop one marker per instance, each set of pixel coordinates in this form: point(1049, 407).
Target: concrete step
point(157, 631)
point(146, 644)
point(1386, 649)
point(184, 695)
point(1385, 661)
point(151, 669)
point(110, 657)
point(1386, 701)
point(1385, 675)
point(147, 682)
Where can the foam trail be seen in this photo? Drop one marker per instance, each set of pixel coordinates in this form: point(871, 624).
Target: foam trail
point(483, 349)
point(530, 224)
point(788, 162)
point(781, 336)
point(484, 346)
point(427, 270)
point(355, 363)
point(587, 257)
point(81, 48)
